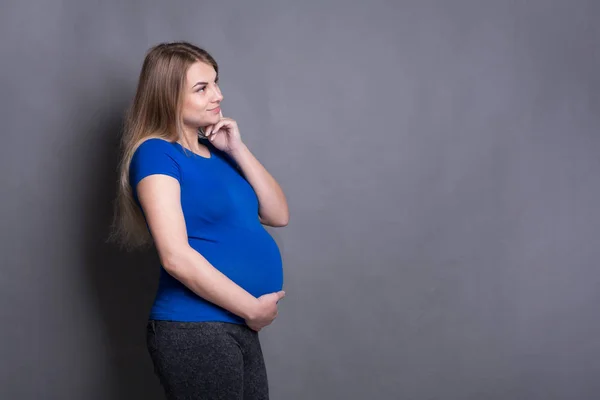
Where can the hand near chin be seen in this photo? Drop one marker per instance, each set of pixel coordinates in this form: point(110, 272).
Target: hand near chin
point(224, 135)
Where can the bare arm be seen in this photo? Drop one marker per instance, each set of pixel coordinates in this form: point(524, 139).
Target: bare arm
point(159, 196)
point(273, 207)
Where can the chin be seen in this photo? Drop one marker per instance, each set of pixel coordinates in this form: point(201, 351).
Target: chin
point(209, 120)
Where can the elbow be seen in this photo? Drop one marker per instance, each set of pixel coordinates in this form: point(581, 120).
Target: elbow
point(281, 221)
point(172, 260)
point(275, 222)
point(284, 221)
point(169, 263)
point(283, 218)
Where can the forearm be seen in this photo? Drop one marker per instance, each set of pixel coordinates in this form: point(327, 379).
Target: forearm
point(273, 207)
point(196, 273)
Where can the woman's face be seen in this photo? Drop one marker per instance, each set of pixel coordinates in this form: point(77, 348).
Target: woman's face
point(201, 96)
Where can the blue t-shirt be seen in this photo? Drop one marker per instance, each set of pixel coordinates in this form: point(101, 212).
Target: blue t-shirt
point(221, 215)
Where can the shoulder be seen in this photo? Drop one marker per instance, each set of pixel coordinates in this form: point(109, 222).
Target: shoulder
point(154, 150)
point(154, 156)
point(155, 146)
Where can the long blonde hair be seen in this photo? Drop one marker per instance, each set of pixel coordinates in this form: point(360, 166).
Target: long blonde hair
point(154, 113)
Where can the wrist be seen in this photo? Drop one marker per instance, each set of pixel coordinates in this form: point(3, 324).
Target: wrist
point(249, 309)
point(237, 150)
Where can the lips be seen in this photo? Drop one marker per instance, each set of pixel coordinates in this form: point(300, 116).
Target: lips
point(215, 110)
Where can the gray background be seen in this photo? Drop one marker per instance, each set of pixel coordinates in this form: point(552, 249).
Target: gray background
point(441, 161)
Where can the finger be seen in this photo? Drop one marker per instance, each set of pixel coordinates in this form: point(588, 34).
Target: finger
point(215, 128)
point(224, 122)
point(221, 112)
point(277, 296)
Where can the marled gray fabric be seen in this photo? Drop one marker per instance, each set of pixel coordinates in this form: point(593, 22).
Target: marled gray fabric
point(207, 360)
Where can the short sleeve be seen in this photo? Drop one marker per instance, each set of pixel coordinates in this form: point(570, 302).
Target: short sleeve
point(154, 156)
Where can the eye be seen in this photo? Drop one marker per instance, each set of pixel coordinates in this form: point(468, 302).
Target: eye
point(201, 89)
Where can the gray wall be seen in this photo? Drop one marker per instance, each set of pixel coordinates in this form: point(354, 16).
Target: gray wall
point(441, 160)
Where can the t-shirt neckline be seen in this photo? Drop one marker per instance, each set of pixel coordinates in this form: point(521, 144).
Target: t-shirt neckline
point(196, 154)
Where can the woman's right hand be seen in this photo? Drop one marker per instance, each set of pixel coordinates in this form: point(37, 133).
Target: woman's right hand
point(265, 310)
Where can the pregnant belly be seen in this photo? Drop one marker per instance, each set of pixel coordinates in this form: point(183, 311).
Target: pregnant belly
point(250, 258)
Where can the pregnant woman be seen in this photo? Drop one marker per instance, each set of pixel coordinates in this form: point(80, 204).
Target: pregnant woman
point(190, 186)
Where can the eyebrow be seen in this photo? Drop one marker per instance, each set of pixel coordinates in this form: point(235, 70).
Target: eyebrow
point(205, 83)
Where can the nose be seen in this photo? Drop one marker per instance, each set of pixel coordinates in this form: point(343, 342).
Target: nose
point(216, 92)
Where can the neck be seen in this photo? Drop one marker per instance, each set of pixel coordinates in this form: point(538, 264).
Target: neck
point(190, 139)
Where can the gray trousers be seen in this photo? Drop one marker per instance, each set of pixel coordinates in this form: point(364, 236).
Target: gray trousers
point(207, 360)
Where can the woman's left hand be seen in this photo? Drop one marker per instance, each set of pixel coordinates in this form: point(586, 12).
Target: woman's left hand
point(224, 135)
